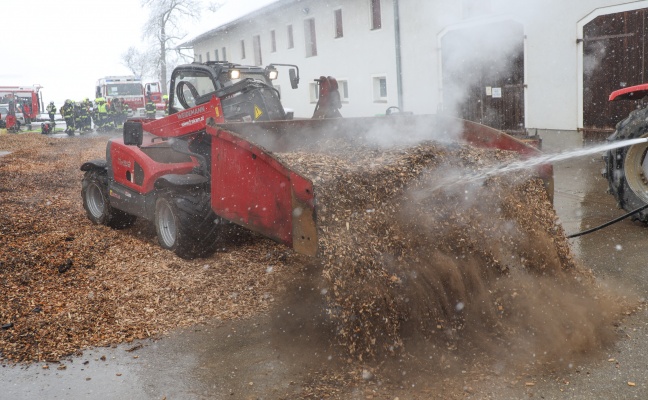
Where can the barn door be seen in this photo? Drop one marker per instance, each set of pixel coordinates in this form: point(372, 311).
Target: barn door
point(614, 48)
point(483, 75)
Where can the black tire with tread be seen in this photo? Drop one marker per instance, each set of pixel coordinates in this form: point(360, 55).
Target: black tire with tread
point(196, 228)
point(94, 192)
point(633, 127)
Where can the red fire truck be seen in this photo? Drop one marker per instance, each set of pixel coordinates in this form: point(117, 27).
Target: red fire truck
point(132, 90)
point(20, 96)
point(129, 88)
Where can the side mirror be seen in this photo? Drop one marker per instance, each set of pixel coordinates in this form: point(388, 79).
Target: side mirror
point(133, 133)
point(294, 79)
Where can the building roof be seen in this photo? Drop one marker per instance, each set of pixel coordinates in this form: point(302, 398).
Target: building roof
point(230, 14)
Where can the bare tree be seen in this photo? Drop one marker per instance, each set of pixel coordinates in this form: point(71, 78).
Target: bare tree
point(164, 27)
point(141, 63)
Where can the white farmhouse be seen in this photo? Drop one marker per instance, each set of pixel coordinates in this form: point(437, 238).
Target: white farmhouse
point(545, 65)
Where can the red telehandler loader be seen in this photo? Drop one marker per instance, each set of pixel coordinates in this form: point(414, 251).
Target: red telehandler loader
point(211, 161)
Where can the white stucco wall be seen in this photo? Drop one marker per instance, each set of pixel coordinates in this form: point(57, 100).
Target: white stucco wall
point(553, 73)
point(357, 57)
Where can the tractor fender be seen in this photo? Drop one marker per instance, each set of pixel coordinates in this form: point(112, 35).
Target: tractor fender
point(185, 181)
point(93, 165)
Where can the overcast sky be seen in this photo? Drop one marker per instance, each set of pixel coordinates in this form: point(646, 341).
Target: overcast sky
point(66, 45)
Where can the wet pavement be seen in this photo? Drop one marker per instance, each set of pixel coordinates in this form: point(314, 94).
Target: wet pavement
point(191, 363)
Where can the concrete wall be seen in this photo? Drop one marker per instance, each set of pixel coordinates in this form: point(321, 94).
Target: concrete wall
point(553, 58)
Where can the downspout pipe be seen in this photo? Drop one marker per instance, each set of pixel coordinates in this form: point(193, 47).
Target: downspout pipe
point(397, 42)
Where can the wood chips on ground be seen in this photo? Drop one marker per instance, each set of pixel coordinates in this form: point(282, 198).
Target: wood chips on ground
point(394, 254)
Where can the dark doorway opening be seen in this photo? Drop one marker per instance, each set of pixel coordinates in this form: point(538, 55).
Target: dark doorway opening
point(483, 75)
point(614, 48)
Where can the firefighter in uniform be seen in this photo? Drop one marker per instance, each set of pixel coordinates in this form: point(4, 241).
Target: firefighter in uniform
point(67, 112)
point(110, 115)
point(150, 108)
point(166, 104)
point(102, 114)
point(26, 109)
point(125, 110)
point(117, 108)
point(84, 117)
point(78, 119)
point(51, 110)
point(87, 105)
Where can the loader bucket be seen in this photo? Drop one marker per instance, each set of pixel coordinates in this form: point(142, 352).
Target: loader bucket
point(315, 134)
point(252, 188)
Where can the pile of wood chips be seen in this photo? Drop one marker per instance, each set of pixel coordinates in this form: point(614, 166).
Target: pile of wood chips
point(398, 251)
point(393, 253)
point(67, 284)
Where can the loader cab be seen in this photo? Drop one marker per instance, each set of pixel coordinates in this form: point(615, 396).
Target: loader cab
point(246, 92)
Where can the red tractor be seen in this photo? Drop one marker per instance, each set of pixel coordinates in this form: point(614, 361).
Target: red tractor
point(626, 168)
point(203, 166)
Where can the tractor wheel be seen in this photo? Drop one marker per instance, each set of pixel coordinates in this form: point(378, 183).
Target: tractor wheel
point(626, 168)
point(94, 191)
point(186, 224)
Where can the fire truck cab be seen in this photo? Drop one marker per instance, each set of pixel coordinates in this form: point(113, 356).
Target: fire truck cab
point(128, 88)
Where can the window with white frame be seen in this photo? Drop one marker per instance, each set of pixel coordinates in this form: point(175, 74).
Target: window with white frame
point(291, 41)
point(343, 88)
point(313, 89)
point(216, 55)
point(273, 41)
point(224, 53)
point(242, 49)
point(376, 16)
point(380, 89)
point(256, 45)
point(339, 29)
point(310, 37)
point(208, 56)
point(199, 57)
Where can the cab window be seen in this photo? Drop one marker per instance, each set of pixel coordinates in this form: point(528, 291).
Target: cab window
point(191, 89)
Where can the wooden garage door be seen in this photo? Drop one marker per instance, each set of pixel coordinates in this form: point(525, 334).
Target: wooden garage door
point(483, 75)
point(614, 51)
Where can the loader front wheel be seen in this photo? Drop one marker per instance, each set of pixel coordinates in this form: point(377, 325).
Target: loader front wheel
point(186, 225)
point(94, 192)
point(626, 168)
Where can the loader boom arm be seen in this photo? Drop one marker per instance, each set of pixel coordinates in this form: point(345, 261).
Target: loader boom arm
point(187, 121)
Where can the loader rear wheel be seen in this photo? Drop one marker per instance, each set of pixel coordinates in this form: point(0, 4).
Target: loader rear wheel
point(186, 224)
point(626, 168)
point(94, 191)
